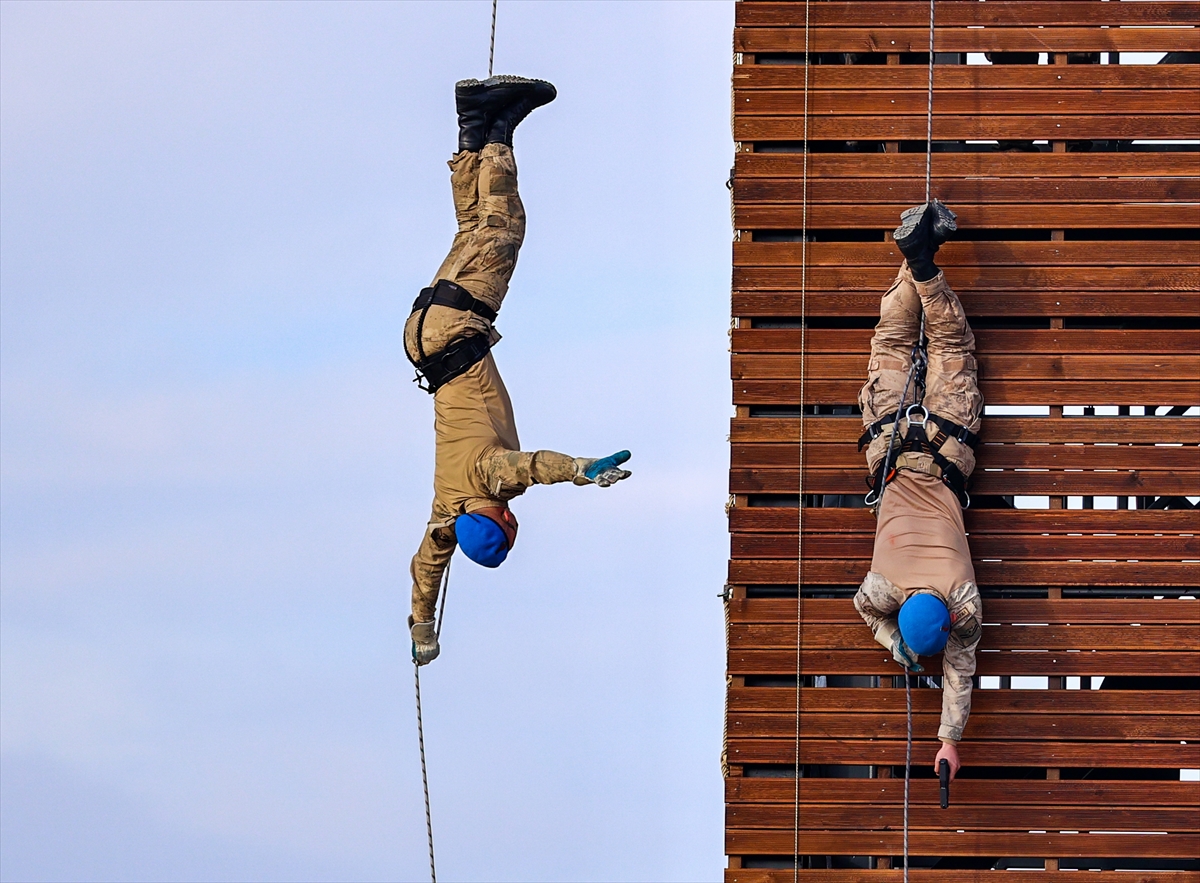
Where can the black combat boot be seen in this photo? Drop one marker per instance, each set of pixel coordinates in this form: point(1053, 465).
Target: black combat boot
point(922, 231)
point(471, 101)
point(515, 98)
point(489, 110)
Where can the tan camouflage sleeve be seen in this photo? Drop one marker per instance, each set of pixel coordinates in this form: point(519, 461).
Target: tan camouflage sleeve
point(507, 474)
point(877, 602)
point(428, 565)
point(958, 660)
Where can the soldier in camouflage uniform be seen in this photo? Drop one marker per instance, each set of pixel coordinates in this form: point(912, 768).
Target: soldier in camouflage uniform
point(479, 466)
point(920, 594)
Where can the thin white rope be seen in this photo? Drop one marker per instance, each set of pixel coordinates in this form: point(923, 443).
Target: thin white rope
point(907, 765)
point(492, 48)
point(800, 484)
point(920, 338)
point(437, 631)
point(929, 111)
point(424, 774)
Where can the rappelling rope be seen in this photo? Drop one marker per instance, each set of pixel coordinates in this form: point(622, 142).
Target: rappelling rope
point(492, 47)
point(907, 765)
point(920, 341)
point(929, 112)
point(800, 478)
point(437, 631)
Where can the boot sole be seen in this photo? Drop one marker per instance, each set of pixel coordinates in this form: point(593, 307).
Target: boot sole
point(502, 79)
point(910, 220)
point(945, 222)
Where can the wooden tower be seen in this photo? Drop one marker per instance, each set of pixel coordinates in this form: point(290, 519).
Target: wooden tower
point(1077, 264)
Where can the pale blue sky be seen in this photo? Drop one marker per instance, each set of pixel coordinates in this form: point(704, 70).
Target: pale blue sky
point(213, 219)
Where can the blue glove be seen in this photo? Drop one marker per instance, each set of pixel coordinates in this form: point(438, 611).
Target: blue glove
point(903, 654)
point(606, 470)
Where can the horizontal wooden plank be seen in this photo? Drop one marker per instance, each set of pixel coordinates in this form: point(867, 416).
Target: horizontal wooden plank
point(752, 842)
point(995, 12)
point(1007, 610)
point(1101, 253)
point(967, 792)
point(1071, 755)
point(922, 875)
point(919, 875)
point(1005, 547)
point(996, 429)
point(875, 78)
point(758, 842)
point(1018, 38)
point(972, 216)
point(1054, 703)
point(980, 279)
point(819, 366)
point(1135, 482)
point(1123, 522)
point(989, 456)
point(983, 727)
point(864, 191)
point(930, 816)
point(951, 102)
point(964, 165)
point(964, 127)
point(743, 571)
point(988, 341)
point(1052, 663)
point(856, 636)
point(995, 392)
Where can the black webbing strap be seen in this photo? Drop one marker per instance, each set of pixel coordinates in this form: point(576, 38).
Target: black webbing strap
point(448, 294)
point(916, 441)
point(946, 429)
point(456, 359)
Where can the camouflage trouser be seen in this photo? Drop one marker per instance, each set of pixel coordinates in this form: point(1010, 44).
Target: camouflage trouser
point(491, 227)
point(951, 386)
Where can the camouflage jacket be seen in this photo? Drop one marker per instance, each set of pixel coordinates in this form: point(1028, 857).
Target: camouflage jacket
point(878, 602)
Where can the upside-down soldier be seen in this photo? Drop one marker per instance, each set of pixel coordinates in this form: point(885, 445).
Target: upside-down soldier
point(479, 465)
point(920, 596)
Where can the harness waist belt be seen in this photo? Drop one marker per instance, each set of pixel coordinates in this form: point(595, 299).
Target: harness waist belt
point(448, 294)
point(946, 429)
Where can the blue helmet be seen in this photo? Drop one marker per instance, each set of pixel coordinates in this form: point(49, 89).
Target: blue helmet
point(924, 623)
point(481, 539)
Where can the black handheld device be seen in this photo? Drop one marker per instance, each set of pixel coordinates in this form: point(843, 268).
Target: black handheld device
point(944, 781)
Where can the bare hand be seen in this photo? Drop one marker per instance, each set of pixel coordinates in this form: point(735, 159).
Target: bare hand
point(948, 752)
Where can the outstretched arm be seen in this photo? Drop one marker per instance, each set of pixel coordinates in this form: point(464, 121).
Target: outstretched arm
point(508, 474)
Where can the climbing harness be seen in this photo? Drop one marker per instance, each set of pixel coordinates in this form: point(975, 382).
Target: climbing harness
point(437, 632)
point(917, 441)
point(461, 353)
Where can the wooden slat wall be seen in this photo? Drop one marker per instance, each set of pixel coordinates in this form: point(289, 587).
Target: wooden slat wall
point(1079, 266)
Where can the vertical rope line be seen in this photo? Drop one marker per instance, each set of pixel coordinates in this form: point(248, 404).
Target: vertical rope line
point(437, 630)
point(929, 112)
point(907, 765)
point(492, 47)
point(800, 485)
point(424, 774)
